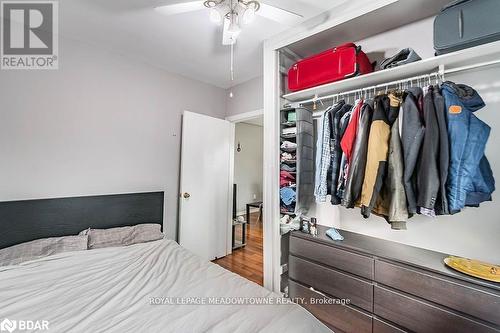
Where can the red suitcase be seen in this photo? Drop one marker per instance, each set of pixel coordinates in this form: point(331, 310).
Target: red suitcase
point(336, 64)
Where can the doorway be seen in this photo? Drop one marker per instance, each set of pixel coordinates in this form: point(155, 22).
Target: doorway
point(247, 219)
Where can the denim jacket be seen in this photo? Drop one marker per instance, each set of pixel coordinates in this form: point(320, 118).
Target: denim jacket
point(470, 179)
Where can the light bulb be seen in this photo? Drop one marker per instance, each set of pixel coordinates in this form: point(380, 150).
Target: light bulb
point(231, 95)
point(249, 15)
point(215, 16)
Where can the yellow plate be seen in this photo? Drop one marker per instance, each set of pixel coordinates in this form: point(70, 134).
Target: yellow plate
point(474, 268)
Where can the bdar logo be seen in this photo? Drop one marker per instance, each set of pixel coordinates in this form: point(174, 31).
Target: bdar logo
point(8, 325)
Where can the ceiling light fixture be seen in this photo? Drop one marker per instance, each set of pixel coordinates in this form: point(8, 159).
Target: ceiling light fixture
point(233, 13)
point(251, 8)
point(215, 16)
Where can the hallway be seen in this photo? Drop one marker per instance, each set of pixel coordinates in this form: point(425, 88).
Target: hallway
point(248, 261)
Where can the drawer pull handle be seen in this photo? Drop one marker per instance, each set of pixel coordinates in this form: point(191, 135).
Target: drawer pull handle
point(317, 292)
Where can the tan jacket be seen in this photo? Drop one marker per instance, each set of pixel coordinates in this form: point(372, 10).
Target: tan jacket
point(386, 109)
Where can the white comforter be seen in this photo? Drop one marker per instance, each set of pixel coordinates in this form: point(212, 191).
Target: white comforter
point(110, 290)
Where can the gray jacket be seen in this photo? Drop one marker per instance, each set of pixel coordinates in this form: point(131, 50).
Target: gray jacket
point(441, 207)
point(412, 134)
point(357, 168)
point(397, 210)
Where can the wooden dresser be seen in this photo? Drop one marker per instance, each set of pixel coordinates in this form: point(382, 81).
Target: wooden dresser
point(391, 287)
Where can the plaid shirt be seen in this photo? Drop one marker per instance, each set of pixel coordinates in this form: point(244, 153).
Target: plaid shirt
point(323, 158)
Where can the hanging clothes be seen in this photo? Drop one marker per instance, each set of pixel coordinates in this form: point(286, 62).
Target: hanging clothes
point(323, 158)
point(441, 207)
point(392, 203)
point(336, 151)
point(347, 145)
point(470, 179)
point(344, 123)
point(428, 163)
point(358, 163)
point(385, 113)
point(411, 137)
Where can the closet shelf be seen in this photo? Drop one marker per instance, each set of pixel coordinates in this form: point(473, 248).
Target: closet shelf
point(470, 56)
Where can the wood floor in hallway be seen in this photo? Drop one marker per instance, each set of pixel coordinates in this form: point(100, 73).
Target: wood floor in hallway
point(248, 261)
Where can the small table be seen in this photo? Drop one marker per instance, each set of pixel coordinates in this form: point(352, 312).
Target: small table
point(256, 204)
point(243, 234)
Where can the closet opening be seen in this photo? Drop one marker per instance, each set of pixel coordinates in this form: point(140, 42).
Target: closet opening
point(247, 220)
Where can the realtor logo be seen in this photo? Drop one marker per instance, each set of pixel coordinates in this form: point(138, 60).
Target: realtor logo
point(8, 325)
point(29, 35)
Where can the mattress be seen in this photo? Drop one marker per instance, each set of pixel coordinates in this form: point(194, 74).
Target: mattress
point(151, 287)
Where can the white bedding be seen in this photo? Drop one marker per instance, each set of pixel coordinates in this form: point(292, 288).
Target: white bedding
point(110, 290)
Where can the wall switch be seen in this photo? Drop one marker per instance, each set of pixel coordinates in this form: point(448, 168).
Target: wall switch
point(255, 196)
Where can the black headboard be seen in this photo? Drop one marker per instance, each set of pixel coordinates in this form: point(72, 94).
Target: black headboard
point(27, 220)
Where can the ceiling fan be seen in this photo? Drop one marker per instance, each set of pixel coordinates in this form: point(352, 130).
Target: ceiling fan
point(233, 14)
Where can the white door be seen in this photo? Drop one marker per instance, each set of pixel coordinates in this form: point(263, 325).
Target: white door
point(205, 189)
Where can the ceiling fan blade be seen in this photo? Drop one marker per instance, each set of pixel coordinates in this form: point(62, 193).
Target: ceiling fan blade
point(279, 15)
point(228, 38)
point(180, 8)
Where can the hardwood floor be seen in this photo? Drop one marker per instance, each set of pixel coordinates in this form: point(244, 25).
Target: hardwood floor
point(248, 261)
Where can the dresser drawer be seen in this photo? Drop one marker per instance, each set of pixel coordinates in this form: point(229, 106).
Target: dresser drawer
point(346, 261)
point(473, 301)
point(329, 281)
point(380, 326)
point(422, 317)
point(336, 316)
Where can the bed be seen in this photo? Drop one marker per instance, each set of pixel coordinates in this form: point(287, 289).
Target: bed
point(149, 287)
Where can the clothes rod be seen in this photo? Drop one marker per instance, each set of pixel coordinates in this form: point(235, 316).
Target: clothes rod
point(439, 74)
point(375, 87)
point(469, 67)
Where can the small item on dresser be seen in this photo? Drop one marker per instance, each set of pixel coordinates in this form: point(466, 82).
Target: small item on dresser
point(475, 268)
point(313, 229)
point(334, 234)
point(304, 225)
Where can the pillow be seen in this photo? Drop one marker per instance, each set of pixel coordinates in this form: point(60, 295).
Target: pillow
point(123, 236)
point(41, 248)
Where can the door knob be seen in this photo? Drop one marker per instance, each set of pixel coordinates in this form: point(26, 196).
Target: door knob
point(186, 195)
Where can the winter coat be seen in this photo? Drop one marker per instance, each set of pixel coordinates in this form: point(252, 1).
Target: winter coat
point(470, 179)
point(392, 200)
point(386, 109)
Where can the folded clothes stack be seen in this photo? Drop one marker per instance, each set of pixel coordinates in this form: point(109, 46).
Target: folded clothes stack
point(288, 195)
point(288, 145)
point(289, 131)
point(286, 179)
point(287, 167)
point(287, 157)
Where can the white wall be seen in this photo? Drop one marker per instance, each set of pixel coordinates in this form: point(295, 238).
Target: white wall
point(247, 96)
point(100, 124)
point(473, 233)
point(248, 164)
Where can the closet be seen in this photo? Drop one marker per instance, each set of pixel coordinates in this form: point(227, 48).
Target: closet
point(381, 28)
